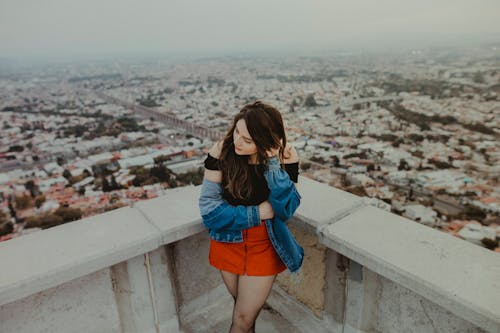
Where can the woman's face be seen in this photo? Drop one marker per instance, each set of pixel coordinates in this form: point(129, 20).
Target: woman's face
point(243, 143)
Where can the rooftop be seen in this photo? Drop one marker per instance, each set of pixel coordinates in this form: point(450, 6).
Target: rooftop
point(145, 269)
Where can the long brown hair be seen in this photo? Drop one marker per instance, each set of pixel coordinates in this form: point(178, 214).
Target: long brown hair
point(265, 125)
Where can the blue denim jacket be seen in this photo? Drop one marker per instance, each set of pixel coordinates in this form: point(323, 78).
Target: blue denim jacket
point(226, 222)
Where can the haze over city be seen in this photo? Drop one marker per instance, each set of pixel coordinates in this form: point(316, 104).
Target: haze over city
point(62, 29)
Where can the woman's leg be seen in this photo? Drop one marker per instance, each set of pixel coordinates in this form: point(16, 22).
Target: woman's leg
point(231, 282)
point(252, 294)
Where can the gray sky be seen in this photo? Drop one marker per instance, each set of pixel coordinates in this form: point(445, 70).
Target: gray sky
point(66, 27)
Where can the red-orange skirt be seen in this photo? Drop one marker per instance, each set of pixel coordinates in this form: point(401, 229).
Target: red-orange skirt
point(255, 256)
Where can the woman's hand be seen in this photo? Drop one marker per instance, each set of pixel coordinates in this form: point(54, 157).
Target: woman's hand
point(273, 152)
point(266, 210)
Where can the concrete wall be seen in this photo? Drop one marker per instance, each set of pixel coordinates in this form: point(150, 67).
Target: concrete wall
point(145, 269)
point(308, 286)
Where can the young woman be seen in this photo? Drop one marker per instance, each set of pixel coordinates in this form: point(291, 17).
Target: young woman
point(246, 198)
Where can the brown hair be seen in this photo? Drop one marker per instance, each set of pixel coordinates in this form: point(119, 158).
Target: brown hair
point(265, 125)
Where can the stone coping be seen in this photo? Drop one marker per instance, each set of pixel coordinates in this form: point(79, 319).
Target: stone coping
point(461, 277)
point(50, 257)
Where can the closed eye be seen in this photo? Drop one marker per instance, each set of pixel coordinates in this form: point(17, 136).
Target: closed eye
point(243, 138)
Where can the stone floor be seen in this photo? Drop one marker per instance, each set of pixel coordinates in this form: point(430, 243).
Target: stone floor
point(218, 320)
point(281, 314)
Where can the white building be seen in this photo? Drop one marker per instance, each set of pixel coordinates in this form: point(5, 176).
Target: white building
point(53, 167)
point(420, 214)
point(360, 179)
point(473, 233)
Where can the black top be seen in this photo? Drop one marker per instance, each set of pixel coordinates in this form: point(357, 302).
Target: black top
point(261, 190)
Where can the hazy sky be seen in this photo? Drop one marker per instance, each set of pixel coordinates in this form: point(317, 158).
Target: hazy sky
point(93, 27)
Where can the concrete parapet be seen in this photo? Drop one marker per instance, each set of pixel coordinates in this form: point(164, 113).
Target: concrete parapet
point(145, 269)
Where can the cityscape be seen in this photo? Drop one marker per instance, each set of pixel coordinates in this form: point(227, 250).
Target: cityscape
point(415, 132)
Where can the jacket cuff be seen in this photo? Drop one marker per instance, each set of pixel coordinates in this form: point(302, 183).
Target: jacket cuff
point(253, 216)
point(273, 163)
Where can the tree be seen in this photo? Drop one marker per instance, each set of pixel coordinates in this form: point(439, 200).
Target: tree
point(66, 174)
point(69, 214)
point(161, 172)
point(22, 201)
point(336, 161)
point(478, 77)
point(114, 184)
point(32, 187)
point(39, 200)
point(403, 165)
point(105, 184)
point(490, 244)
point(357, 190)
point(305, 166)
point(310, 101)
point(3, 217)
point(16, 148)
point(6, 228)
point(50, 220)
point(191, 177)
point(60, 160)
point(473, 213)
point(81, 191)
point(161, 159)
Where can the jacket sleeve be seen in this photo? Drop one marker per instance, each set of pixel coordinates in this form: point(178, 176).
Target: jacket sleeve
point(218, 214)
point(283, 196)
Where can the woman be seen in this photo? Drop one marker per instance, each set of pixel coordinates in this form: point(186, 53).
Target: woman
point(245, 200)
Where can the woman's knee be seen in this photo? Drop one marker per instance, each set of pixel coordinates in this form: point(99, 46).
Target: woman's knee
point(243, 320)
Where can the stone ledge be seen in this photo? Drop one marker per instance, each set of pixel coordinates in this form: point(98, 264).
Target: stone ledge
point(321, 204)
point(51, 257)
point(461, 277)
point(181, 220)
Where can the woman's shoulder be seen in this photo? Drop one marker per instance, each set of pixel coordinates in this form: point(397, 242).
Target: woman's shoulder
point(290, 155)
point(216, 149)
point(212, 160)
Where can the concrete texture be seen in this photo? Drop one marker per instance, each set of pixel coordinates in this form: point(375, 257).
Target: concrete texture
point(178, 223)
point(323, 204)
point(307, 287)
point(381, 241)
point(401, 310)
point(335, 285)
point(300, 315)
point(145, 298)
point(86, 304)
point(51, 257)
point(216, 316)
point(194, 275)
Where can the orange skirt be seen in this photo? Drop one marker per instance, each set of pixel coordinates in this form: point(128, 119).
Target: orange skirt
point(255, 256)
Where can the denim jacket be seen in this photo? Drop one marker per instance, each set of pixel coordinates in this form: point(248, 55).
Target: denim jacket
point(226, 222)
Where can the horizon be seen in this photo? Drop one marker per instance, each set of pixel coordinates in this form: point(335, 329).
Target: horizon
point(186, 56)
point(31, 31)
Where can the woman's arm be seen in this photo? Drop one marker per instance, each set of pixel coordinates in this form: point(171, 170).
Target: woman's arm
point(265, 208)
point(218, 214)
point(283, 196)
point(212, 203)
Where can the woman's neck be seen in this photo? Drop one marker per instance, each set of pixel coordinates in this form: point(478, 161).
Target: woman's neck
point(252, 159)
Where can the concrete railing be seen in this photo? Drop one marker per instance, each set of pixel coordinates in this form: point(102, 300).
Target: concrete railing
point(145, 269)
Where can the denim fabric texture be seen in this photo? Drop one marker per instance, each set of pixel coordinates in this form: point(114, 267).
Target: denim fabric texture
point(226, 222)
